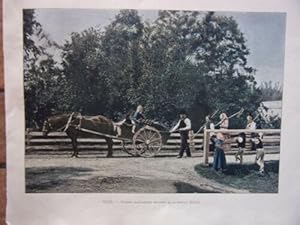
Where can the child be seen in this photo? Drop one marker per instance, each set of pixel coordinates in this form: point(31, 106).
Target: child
point(212, 142)
point(241, 143)
point(259, 158)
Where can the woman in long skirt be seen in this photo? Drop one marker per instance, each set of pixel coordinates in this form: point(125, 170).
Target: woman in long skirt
point(219, 163)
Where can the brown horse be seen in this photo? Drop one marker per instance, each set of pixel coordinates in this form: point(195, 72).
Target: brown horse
point(71, 122)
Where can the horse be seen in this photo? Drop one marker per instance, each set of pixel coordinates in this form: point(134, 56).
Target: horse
point(71, 124)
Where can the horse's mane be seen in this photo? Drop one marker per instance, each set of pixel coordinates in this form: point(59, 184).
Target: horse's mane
point(60, 119)
point(75, 114)
point(97, 119)
point(56, 116)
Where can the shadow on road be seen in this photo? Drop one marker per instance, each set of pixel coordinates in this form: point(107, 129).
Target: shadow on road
point(77, 180)
point(183, 187)
point(49, 179)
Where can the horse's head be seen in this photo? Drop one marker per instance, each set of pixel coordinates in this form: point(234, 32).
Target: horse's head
point(46, 127)
point(55, 123)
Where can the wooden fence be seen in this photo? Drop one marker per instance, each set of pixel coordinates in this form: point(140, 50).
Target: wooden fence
point(60, 142)
point(271, 140)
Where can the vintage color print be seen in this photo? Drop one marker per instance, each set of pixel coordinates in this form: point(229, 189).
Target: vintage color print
point(149, 101)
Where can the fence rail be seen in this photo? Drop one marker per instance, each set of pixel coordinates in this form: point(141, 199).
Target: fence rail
point(59, 141)
point(271, 140)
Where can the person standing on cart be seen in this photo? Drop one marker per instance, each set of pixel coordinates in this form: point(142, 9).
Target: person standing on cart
point(183, 126)
point(138, 118)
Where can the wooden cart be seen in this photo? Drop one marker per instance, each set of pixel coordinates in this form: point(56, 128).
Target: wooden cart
point(146, 141)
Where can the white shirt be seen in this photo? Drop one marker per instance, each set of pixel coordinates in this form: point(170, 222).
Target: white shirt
point(224, 124)
point(251, 125)
point(188, 125)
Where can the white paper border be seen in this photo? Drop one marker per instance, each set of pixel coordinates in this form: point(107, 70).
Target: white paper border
point(36, 209)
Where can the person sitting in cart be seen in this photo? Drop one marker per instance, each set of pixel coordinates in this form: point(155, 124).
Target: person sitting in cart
point(138, 118)
point(183, 126)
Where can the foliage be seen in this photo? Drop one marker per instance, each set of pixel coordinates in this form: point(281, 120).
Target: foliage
point(274, 122)
point(81, 68)
point(191, 60)
point(271, 91)
point(30, 26)
point(41, 74)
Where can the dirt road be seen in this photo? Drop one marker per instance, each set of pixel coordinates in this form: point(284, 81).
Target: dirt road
point(62, 174)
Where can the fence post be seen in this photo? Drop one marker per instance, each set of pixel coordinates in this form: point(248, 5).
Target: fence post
point(27, 139)
point(191, 140)
point(205, 146)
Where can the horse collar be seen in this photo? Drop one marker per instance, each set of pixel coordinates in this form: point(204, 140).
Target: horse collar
point(50, 125)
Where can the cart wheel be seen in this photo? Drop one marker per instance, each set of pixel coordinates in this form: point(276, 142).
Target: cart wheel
point(147, 141)
point(129, 148)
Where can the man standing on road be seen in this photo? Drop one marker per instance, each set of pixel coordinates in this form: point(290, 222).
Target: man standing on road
point(183, 126)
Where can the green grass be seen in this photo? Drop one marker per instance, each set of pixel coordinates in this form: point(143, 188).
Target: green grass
point(244, 176)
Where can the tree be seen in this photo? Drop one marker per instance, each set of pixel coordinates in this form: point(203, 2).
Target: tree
point(167, 81)
point(271, 91)
point(41, 74)
point(199, 62)
point(82, 61)
point(221, 52)
point(191, 60)
point(30, 27)
point(122, 49)
point(102, 68)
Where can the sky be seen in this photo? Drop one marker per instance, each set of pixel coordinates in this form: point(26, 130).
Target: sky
point(264, 33)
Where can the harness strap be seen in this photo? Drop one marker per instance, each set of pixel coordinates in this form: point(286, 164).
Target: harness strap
point(69, 121)
point(50, 125)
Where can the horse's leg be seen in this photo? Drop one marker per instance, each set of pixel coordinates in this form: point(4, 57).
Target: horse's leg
point(73, 137)
point(75, 149)
point(109, 142)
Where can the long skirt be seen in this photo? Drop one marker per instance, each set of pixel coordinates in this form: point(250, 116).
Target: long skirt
point(219, 159)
